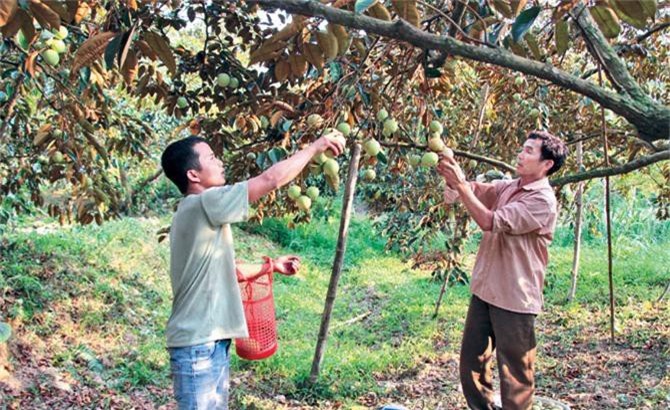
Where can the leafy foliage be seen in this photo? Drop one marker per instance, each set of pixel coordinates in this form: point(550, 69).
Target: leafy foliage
point(82, 134)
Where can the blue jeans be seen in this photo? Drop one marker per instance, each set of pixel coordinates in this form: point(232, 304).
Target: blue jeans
point(200, 375)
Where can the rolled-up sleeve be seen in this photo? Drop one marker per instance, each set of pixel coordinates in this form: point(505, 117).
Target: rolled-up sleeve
point(227, 204)
point(522, 217)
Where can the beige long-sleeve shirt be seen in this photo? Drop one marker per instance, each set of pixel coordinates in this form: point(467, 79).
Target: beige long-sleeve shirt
point(512, 259)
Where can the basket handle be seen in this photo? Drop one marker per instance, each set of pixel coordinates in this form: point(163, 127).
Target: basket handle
point(266, 269)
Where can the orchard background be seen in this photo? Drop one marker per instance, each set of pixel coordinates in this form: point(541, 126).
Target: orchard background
point(91, 91)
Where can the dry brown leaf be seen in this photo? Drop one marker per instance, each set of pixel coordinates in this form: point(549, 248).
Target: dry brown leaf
point(61, 8)
point(313, 55)
point(82, 12)
point(282, 70)
point(44, 15)
point(129, 69)
point(146, 50)
point(14, 25)
point(327, 43)
point(7, 10)
point(162, 49)
point(298, 65)
point(275, 118)
point(91, 50)
point(30, 63)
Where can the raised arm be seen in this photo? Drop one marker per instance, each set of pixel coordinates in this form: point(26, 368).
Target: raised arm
point(285, 171)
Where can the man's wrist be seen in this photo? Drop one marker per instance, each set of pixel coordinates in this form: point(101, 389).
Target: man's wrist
point(462, 187)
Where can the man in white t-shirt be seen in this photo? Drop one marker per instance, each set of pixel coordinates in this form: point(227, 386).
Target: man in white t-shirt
point(207, 307)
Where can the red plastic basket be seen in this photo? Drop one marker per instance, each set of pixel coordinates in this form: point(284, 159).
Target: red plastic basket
point(259, 310)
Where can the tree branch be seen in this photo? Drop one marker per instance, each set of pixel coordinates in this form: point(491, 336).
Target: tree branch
point(606, 54)
point(457, 152)
point(646, 35)
point(618, 170)
point(651, 119)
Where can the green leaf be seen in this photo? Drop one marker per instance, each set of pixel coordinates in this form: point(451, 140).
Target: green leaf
point(276, 154)
point(5, 332)
point(432, 72)
point(381, 157)
point(362, 5)
point(286, 125)
point(112, 50)
point(524, 22)
point(260, 160)
point(335, 71)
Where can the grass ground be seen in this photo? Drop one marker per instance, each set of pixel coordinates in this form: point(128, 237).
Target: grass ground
point(88, 307)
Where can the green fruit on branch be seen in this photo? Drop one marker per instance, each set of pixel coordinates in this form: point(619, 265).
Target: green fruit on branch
point(372, 147)
point(369, 175)
point(251, 156)
point(382, 115)
point(517, 97)
point(331, 167)
point(436, 144)
point(472, 164)
point(223, 80)
point(334, 136)
point(518, 80)
point(264, 122)
point(429, 159)
point(391, 125)
point(414, 160)
point(312, 192)
point(51, 57)
point(304, 203)
point(234, 83)
point(320, 158)
point(57, 157)
point(182, 102)
point(314, 120)
point(534, 113)
point(293, 192)
point(344, 128)
point(436, 127)
point(58, 46)
point(62, 33)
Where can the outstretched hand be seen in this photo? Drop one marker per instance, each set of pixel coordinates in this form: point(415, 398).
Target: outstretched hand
point(287, 264)
point(451, 172)
point(333, 141)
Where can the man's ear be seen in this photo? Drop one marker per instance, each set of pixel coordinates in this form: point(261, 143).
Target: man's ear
point(192, 176)
point(547, 165)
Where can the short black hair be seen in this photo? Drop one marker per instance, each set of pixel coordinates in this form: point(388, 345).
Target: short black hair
point(553, 148)
point(178, 158)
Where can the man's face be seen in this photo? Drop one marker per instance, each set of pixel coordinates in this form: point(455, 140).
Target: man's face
point(211, 171)
point(529, 161)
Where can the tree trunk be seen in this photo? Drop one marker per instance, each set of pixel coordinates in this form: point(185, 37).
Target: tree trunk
point(337, 263)
point(578, 228)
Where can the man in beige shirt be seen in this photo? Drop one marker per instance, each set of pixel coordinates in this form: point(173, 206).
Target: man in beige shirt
point(518, 218)
point(207, 307)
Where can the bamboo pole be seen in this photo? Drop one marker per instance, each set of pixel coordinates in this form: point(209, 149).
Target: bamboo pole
point(337, 263)
point(578, 227)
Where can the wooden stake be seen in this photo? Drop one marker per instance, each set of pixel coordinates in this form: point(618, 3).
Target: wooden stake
point(578, 228)
point(337, 263)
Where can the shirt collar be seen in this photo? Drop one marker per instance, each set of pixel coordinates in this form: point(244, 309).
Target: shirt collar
point(537, 185)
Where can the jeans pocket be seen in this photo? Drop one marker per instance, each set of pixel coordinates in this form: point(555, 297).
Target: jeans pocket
point(202, 355)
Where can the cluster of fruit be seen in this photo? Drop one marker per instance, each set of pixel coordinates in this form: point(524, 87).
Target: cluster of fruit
point(436, 146)
point(223, 80)
point(303, 202)
point(53, 44)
